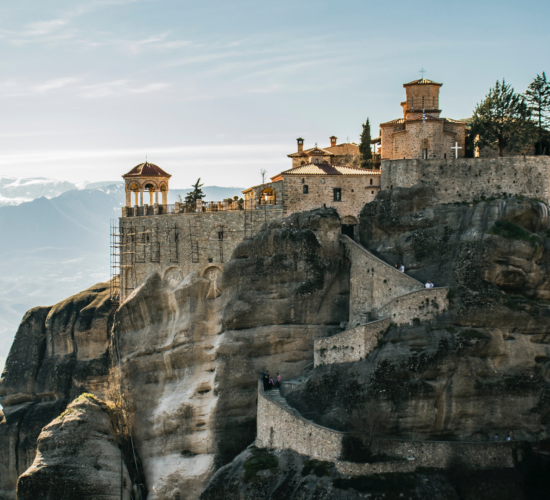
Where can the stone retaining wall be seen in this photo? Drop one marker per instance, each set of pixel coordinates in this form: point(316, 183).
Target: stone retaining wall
point(373, 283)
point(467, 179)
point(351, 345)
point(279, 429)
point(421, 304)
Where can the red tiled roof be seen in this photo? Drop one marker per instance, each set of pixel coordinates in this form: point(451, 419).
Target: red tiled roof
point(326, 169)
point(422, 81)
point(146, 170)
point(347, 148)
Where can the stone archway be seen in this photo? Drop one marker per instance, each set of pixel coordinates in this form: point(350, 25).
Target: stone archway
point(349, 224)
point(213, 273)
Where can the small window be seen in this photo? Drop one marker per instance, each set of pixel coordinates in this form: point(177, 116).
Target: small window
point(306, 189)
point(422, 103)
point(412, 103)
point(371, 182)
point(220, 235)
point(434, 102)
point(210, 260)
point(303, 163)
point(316, 160)
point(337, 194)
point(372, 192)
point(445, 156)
point(322, 181)
point(303, 181)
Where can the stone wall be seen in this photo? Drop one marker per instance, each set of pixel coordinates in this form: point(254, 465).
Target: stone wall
point(439, 454)
point(373, 283)
point(468, 179)
point(356, 191)
point(421, 304)
point(279, 429)
point(351, 345)
point(176, 244)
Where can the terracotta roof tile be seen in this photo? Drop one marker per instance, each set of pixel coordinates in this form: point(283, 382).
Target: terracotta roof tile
point(422, 81)
point(146, 170)
point(326, 169)
point(347, 148)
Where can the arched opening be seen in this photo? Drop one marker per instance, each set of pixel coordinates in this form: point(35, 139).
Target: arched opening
point(151, 188)
point(268, 197)
point(132, 188)
point(164, 191)
point(348, 226)
point(306, 189)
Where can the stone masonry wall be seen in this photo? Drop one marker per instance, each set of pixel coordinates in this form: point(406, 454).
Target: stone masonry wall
point(421, 304)
point(356, 191)
point(351, 345)
point(373, 283)
point(279, 429)
point(166, 243)
point(468, 179)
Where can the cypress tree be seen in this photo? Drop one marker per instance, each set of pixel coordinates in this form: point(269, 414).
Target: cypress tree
point(196, 194)
point(364, 146)
point(502, 120)
point(537, 96)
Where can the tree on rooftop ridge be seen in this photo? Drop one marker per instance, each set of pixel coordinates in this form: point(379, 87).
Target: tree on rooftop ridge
point(364, 146)
point(196, 194)
point(537, 96)
point(502, 121)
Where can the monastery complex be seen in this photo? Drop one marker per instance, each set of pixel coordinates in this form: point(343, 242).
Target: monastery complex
point(421, 148)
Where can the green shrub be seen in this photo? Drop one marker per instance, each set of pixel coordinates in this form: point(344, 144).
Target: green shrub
point(509, 230)
point(319, 468)
point(261, 459)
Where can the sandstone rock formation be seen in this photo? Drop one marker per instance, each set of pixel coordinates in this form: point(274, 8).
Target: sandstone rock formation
point(58, 353)
point(77, 457)
point(190, 357)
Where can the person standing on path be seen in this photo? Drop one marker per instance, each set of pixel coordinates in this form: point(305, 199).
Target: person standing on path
point(402, 268)
point(278, 380)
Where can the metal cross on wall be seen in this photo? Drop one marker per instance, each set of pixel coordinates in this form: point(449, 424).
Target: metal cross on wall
point(456, 147)
point(422, 71)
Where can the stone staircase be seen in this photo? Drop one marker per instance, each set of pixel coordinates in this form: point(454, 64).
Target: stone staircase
point(275, 395)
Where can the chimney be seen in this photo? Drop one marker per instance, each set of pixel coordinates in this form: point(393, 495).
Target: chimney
point(333, 140)
point(300, 142)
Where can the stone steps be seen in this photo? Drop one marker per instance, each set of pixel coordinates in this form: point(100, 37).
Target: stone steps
point(275, 395)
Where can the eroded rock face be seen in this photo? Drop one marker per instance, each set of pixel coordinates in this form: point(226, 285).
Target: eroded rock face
point(480, 368)
point(77, 457)
point(192, 353)
point(58, 353)
point(192, 357)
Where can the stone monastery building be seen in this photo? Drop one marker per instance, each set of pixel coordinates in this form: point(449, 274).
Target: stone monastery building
point(413, 137)
point(175, 240)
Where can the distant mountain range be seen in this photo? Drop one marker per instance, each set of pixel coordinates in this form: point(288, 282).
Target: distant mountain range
point(16, 191)
point(57, 244)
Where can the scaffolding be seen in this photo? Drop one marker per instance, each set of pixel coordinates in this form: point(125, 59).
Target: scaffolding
point(114, 282)
point(193, 240)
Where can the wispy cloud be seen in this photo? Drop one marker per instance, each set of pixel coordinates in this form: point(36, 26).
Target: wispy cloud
point(56, 84)
point(118, 87)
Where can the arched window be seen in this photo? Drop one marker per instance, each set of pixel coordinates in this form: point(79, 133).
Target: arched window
point(306, 189)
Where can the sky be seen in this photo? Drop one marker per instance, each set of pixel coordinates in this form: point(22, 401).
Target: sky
point(221, 90)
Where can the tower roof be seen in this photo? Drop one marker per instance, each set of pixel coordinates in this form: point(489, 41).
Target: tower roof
point(146, 170)
point(422, 81)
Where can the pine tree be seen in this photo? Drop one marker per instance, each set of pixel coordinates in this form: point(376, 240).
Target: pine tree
point(364, 146)
point(537, 96)
point(502, 120)
point(196, 194)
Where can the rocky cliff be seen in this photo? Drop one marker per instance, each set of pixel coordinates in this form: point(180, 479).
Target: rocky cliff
point(190, 356)
point(482, 367)
point(191, 351)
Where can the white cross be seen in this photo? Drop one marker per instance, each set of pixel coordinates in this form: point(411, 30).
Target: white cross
point(456, 147)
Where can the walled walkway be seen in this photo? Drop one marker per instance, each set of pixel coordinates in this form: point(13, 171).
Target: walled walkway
point(380, 295)
point(280, 427)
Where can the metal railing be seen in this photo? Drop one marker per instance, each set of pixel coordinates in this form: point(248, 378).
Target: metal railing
point(200, 206)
